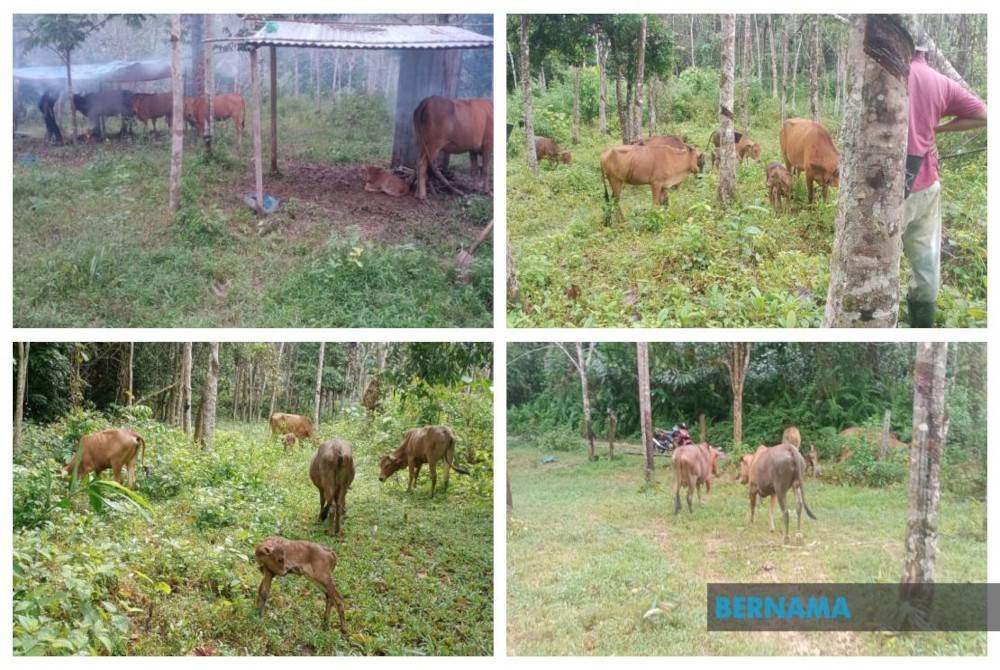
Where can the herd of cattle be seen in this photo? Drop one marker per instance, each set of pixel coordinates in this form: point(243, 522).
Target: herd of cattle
point(331, 471)
point(663, 161)
point(770, 472)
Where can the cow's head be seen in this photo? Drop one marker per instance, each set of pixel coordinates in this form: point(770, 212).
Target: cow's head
point(389, 465)
point(754, 151)
point(696, 161)
point(835, 180)
point(566, 157)
point(713, 458)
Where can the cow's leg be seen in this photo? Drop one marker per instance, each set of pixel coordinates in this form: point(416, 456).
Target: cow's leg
point(117, 470)
point(422, 176)
point(657, 193)
point(826, 188)
point(809, 186)
point(780, 495)
point(447, 472)
point(322, 505)
point(341, 509)
point(334, 599)
point(263, 591)
point(771, 513)
point(677, 495)
point(692, 486)
point(753, 505)
point(414, 470)
point(434, 475)
point(798, 512)
point(131, 473)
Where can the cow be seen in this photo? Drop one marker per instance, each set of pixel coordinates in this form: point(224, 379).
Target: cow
point(454, 126)
point(746, 460)
point(378, 180)
point(332, 471)
point(296, 424)
point(659, 166)
point(47, 105)
point(114, 448)
point(806, 146)
point(100, 104)
point(791, 436)
point(289, 440)
point(278, 556)
point(773, 472)
point(779, 186)
point(224, 106)
point(744, 147)
point(546, 147)
point(694, 465)
point(428, 444)
point(674, 141)
point(151, 106)
point(812, 461)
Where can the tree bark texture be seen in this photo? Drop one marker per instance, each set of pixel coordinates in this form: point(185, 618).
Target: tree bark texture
point(727, 147)
point(529, 115)
point(645, 406)
point(177, 124)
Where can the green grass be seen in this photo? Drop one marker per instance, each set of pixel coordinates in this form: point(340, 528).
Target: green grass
point(94, 244)
point(590, 549)
point(416, 572)
point(692, 263)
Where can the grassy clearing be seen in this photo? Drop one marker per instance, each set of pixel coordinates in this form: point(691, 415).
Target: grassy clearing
point(590, 549)
point(416, 573)
point(94, 245)
point(692, 263)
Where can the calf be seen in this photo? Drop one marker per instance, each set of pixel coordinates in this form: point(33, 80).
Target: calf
point(428, 444)
point(332, 471)
point(548, 148)
point(806, 146)
point(289, 440)
point(659, 166)
point(779, 186)
point(378, 180)
point(277, 556)
point(296, 424)
point(694, 465)
point(792, 436)
point(113, 448)
point(812, 461)
point(152, 106)
point(773, 472)
point(744, 147)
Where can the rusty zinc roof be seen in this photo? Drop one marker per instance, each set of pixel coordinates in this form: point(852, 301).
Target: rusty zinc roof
point(365, 36)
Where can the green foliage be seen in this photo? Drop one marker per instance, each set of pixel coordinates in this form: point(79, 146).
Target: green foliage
point(864, 469)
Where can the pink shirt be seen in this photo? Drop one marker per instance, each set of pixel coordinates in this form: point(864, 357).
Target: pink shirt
point(933, 96)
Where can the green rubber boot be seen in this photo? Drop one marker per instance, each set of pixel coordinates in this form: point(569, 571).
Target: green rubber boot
point(921, 313)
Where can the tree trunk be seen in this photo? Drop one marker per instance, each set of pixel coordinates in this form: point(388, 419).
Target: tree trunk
point(701, 429)
point(602, 84)
point(774, 56)
point(883, 445)
point(68, 58)
point(319, 384)
point(258, 151)
point(529, 115)
point(186, 388)
point(588, 427)
point(640, 74)
point(814, 71)
point(612, 431)
point(513, 286)
point(276, 385)
point(864, 273)
point(621, 106)
point(513, 67)
point(315, 74)
point(209, 89)
point(131, 374)
point(737, 361)
point(195, 84)
point(694, 59)
point(510, 498)
point(759, 62)
point(575, 133)
point(22, 384)
point(209, 400)
point(645, 407)
point(177, 125)
point(727, 147)
point(795, 70)
point(745, 74)
point(930, 430)
point(785, 35)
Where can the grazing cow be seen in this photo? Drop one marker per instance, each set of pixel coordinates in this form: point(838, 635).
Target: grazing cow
point(378, 180)
point(113, 448)
point(422, 445)
point(812, 461)
point(453, 126)
point(289, 440)
point(151, 106)
point(546, 147)
point(296, 424)
point(224, 106)
point(277, 556)
point(779, 186)
point(744, 147)
point(100, 104)
point(47, 105)
point(792, 436)
point(773, 472)
point(694, 465)
point(746, 460)
point(806, 146)
point(332, 471)
point(659, 166)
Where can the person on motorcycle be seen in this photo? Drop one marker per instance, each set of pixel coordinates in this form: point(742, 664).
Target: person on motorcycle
point(681, 435)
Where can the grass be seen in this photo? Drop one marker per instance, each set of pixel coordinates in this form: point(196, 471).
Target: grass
point(94, 244)
point(692, 263)
point(590, 548)
point(416, 572)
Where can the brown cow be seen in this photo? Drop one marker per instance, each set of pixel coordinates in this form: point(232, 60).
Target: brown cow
point(694, 465)
point(744, 147)
point(289, 440)
point(773, 472)
point(659, 166)
point(812, 461)
point(806, 146)
point(332, 471)
point(454, 126)
point(378, 180)
point(151, 106)
point(422, 445)
point(224, 106)
point(277, 556)
point(113, 448)
point(792, 436)
point(296, 424)
point(779, 186)
point(673, 141)
point(746, 460)
point(548, 148)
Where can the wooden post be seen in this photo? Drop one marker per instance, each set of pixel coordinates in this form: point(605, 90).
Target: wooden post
point(612, 430)
point(274, 110)
point(883, 446)
point(701, 429)
point(258, 169)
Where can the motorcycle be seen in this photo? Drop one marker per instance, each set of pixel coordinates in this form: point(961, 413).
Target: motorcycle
point(665, 441)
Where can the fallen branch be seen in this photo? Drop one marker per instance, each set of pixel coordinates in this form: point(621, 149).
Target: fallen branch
point(464, 260)
point(154, 394)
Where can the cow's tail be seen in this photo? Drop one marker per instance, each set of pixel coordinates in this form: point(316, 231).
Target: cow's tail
point(449, 455)
point(604, 182)
point(800, 464)
point(325, 512)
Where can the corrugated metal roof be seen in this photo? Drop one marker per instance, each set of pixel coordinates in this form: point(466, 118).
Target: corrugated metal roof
point(92, 73)
point(366, 36)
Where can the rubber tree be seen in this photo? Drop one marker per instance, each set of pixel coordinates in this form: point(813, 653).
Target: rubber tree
point(727, 146)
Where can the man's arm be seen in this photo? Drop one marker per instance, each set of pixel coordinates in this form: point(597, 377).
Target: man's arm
point(971, 122)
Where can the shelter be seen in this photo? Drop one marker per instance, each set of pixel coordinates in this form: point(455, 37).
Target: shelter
point(94, 74)
point(431, 70)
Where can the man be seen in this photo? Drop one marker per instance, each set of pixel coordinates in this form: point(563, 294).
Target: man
point(932, 97)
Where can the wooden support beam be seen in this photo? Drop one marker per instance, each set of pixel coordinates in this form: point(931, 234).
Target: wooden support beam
point(274, 110)
point(258, 169)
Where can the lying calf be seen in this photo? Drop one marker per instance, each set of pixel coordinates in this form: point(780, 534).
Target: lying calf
point(277, 556)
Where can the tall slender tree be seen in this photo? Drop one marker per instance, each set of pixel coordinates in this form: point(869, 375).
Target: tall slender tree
point(23, 349)
point(529, 115)
point(177, 123)
point(645, 407)
point(319, 384)
point(205, 433)
point(737, 361)
point(814, 64)
point(745, 74)
point(727, 146)
point(640, 74)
